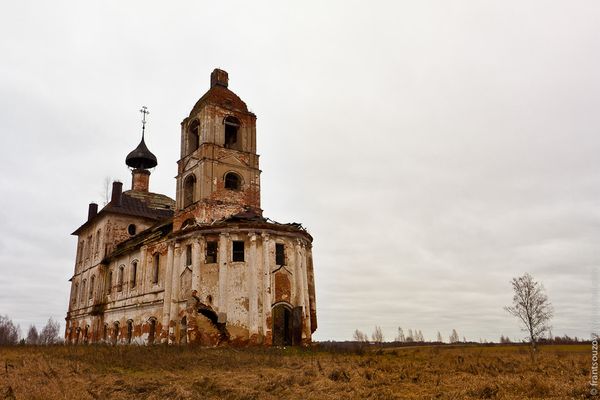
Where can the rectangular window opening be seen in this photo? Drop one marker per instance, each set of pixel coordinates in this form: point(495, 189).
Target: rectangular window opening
point(211, 252)
point(156, 268)
point(279, 254)
point(238, 250)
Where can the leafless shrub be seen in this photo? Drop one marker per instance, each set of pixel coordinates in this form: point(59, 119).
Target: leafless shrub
point(505, 339)
point(377, 335)
point(400, 338)
point(9, 332)
point(49, 334)
point(360, 336)
point(454, 337)
point(32, 335)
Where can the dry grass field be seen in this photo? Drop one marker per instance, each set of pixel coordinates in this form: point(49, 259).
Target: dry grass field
point(160, 372)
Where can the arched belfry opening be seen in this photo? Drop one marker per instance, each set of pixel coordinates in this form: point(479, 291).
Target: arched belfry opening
point(193, 136)
point(189, 187)
point(232, 139)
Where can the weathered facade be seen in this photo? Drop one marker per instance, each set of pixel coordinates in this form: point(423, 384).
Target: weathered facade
point(140, 258)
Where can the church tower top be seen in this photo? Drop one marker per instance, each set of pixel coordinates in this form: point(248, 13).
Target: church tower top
point(219, 77)
point(140, 160)
point(218, 173)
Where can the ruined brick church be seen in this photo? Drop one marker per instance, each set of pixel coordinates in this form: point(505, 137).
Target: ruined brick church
point(141, 256)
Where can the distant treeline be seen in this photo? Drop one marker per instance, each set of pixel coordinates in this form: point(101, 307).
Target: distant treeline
point(10, 334)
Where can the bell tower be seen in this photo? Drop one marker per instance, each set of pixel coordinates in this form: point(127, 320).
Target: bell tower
point(218, 174)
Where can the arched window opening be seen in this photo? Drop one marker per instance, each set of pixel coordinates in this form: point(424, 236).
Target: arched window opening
point(115, 332)
point(189, 187)
point(75, 293)
point(133, 279)
point(82, 296)
point(88, 247)
point(109, 283)
point(92, 281)
point(155, 268)
point(97, 244)
point(86, 333)
point(105, 333)
point(120, 278)
point(188, 255)
point(193, 136)
point(129, 331)
point(77, 333)
point(232, 126)
point(152, 331)
point(233, 181)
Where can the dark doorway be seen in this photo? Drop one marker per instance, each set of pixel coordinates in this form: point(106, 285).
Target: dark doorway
point(183, 331)
point(282, 325)
point(129, 331)
point(297, 326)
point(151, 331)
point(116, 332)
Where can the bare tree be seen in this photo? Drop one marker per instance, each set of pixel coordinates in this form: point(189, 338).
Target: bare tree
point(400, 337)
point(106, 189)
point(32, 335)
point(360, 336)
point(439, 337)
point(377, 335)
point(410, 337)
point(531, 307)
point(49, 334)
point(454, 337)
point(504, 339)
point(418, 337)
point(9, 332)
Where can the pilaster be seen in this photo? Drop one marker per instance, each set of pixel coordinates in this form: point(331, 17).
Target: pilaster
point(252, 289)
point(266, 290)
point(224, 246)
point(197, 251)
point(168, 289)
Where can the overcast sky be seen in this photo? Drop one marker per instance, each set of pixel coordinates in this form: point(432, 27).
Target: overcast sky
point(434, 149)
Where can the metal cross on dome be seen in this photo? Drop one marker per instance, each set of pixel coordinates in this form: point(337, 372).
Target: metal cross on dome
point(144, 111)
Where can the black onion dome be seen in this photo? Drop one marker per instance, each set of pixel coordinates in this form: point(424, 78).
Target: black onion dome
point(141, 157)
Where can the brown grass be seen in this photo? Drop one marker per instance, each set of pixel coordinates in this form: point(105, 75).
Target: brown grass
point(161, 372)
